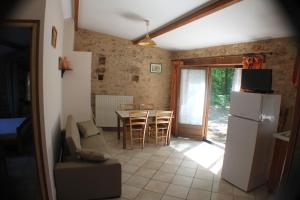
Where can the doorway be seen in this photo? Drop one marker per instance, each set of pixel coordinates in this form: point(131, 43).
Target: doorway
point(22, 175)
point(223, 81)
point(192, 102)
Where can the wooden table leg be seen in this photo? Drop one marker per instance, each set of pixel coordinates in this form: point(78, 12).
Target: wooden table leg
point(169, 134)
point(124, 134)
point(119, 134)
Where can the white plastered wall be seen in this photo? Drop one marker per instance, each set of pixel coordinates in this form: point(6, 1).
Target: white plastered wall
point(76, 87)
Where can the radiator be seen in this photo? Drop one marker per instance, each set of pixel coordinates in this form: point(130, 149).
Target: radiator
point(106, 106)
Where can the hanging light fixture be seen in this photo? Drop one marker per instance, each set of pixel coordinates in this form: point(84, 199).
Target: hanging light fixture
point(147, 40)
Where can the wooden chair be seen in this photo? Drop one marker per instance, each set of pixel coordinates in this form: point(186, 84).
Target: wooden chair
point(146, 106)
point(137, 126)
point(129, 107)
point(160, 129)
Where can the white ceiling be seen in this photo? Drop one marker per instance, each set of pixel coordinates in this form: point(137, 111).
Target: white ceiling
point(248, 20)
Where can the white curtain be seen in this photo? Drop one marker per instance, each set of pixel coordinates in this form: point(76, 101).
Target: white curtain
point(236, 81)
point(192, 96)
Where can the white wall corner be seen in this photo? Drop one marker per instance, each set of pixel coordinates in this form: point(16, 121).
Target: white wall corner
point(76, 84)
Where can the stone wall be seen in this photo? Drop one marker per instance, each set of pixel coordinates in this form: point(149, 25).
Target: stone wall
point(281, 61)
point(124, 61)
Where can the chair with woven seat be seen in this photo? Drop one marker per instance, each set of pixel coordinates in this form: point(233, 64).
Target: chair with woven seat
point(160, 129)
point(137, 126)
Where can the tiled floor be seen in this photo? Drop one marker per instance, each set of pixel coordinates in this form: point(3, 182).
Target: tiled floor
point(186, 169)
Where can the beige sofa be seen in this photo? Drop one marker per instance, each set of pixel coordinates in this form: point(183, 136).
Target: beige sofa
point(81, 180)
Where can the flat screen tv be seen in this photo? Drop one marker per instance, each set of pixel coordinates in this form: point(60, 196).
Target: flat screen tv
point(257, 80)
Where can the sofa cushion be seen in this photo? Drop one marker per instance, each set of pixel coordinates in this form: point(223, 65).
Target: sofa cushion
point(72, 136)
point(96, 143)
point(92, 155)
point(87, 128)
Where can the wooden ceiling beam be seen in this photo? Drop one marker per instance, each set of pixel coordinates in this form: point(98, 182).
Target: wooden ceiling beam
point(76, 15)
point(186, 19)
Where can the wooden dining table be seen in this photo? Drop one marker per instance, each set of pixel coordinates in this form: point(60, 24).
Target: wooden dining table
point(123, 116)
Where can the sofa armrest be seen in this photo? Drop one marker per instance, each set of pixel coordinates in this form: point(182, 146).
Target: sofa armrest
point(88, 180)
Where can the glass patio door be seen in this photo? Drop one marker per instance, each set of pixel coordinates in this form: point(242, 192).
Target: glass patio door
point(192, 103)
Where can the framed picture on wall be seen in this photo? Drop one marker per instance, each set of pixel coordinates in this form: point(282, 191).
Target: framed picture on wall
point(53, 37)
point(155, 67)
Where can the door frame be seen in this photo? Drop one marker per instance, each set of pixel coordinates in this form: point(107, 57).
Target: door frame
point(41, 160)
point(197, 63)
point(209, 91)
point(206, 100)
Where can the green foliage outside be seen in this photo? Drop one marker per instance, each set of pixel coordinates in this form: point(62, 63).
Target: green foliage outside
point(221, 86)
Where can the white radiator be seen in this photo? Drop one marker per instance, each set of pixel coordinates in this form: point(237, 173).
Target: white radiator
point(106, 106)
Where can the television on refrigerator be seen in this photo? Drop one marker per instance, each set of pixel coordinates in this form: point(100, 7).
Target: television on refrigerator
point(257, 80)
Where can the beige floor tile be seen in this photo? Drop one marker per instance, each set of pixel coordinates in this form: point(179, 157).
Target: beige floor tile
point(166, 197)
point(136, 161)
point(123, 162)
point(203, 184)
point(157, 186)
point(169, 168)
point(148, 195)
point(240, 193)
point(163, 176)
point(182, 180)
point(167, 148)
point(185, 171)
point(189, 163)
point(119, 198)
point(149, 148)
point(137, 181)
point(222, 187)
point(204, 174)
point(158, 158)
point(143, 155)
point(262, 193)
point(196, 194)
point(152, 165)
point(148, 173)
point(163, 153)
point(244, 198)
point(130, 192)
point(217, 177)
point(218, 196)
point(129, 153)
point(174, 161)
point(177, 191)
point(130, 168)
point(177, 155)
point(125, 176)
point(123, 157)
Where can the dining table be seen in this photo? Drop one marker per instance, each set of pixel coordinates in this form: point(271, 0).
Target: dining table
point(123, 117)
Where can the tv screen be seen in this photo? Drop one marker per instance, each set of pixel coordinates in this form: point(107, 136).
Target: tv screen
point(257, 80)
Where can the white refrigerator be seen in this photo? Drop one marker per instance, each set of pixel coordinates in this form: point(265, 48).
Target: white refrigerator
point(249, 144)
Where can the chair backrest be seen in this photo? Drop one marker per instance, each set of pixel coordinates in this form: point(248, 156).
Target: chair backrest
point(146, 106)
point(129, 107)
point(164, 117)
point(138, 117)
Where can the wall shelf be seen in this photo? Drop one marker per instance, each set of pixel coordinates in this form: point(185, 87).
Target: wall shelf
point(63, 65)
point(63, 71)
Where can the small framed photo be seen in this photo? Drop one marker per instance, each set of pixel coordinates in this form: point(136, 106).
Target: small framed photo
point(54, 36)
point(101, 60)
point(155, 67)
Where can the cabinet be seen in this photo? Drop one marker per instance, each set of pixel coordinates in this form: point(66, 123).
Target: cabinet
point(278, 160)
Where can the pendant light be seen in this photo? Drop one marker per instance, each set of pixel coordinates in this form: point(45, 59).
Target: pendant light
point(147, 40)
